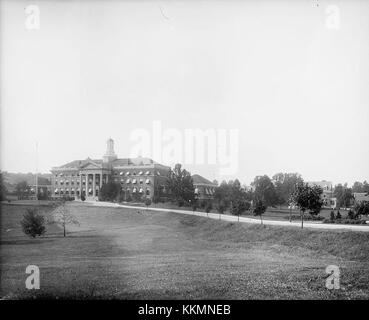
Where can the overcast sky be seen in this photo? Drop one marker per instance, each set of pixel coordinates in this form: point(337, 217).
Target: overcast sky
point(295, 87)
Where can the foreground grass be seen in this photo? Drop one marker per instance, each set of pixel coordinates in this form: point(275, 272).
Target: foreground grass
point(121, 253)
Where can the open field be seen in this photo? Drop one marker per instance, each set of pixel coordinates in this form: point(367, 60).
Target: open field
point(120, 253)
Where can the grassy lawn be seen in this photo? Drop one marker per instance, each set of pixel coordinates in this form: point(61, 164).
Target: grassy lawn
point(119, 253)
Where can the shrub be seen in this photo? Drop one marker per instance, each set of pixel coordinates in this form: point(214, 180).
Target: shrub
point(180, 203)
point(332, 215)
point(345, 221)
point(351, 214)
point(338, 216)
point(33, 224)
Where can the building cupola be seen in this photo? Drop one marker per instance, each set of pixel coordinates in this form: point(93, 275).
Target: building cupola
point(109, 154)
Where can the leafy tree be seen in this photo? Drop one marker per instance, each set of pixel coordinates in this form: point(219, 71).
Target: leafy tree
point(22, 189)
point(259, 209)
point(109, 191)
point(229, 192)
point(307, 198)
point(343, 194)
point(360, 187)
point(284, 185)
point(265, 191)
point(239, 206)
point(180, 185)
point(62, 216)
point(33, 224)
point(362, 208)
point(3, 190)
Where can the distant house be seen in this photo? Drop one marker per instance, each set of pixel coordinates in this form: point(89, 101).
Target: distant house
point(361, 196)
point(204, 189)
point(329, 201)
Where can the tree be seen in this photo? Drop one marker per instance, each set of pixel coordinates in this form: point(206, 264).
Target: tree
point(307, 198)
point(265, 190)
point(33, 224)
point(360, 187)
point(62, 216)
point(229, 192)
point(109, 191)
point(284, 185)
point(22, 189)
point(343, 195)
point(3, 190)
point(239, 206)
point(362, 208)
point(180, 184)
point(259, 209)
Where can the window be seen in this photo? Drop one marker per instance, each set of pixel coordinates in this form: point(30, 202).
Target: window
point(128, 181)
point(134, 190)
point(147, 181)
point(121, 173)
point(134, 173)
point(140, 173)
point(127, 173)
point(141, 190)
point(134, 181)
point(147, 172)
point(147, 192)
point(141, 181)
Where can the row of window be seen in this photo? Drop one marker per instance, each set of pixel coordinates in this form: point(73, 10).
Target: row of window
point(134, 173)
point(147, 181)
point(72, 192)
point(208, 191)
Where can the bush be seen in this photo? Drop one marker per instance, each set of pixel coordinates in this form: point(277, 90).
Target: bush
point(306, 218)
point(338, 216)
point(180, 203)
point(345, 221)
point(332, 215)
point(33, 224)
point(351, 214)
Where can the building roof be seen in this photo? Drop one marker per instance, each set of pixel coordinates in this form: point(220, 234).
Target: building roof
point(197, 179)
point(139, 161)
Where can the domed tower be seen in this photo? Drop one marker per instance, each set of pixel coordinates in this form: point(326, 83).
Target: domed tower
point(109, 154)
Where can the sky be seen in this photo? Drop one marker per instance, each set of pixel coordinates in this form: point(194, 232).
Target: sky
point(291, 77)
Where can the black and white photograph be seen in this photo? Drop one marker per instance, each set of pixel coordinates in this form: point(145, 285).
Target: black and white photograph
point(184, 151)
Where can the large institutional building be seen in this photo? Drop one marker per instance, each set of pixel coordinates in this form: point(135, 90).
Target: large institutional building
point(137, 176)
point(85, 177)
